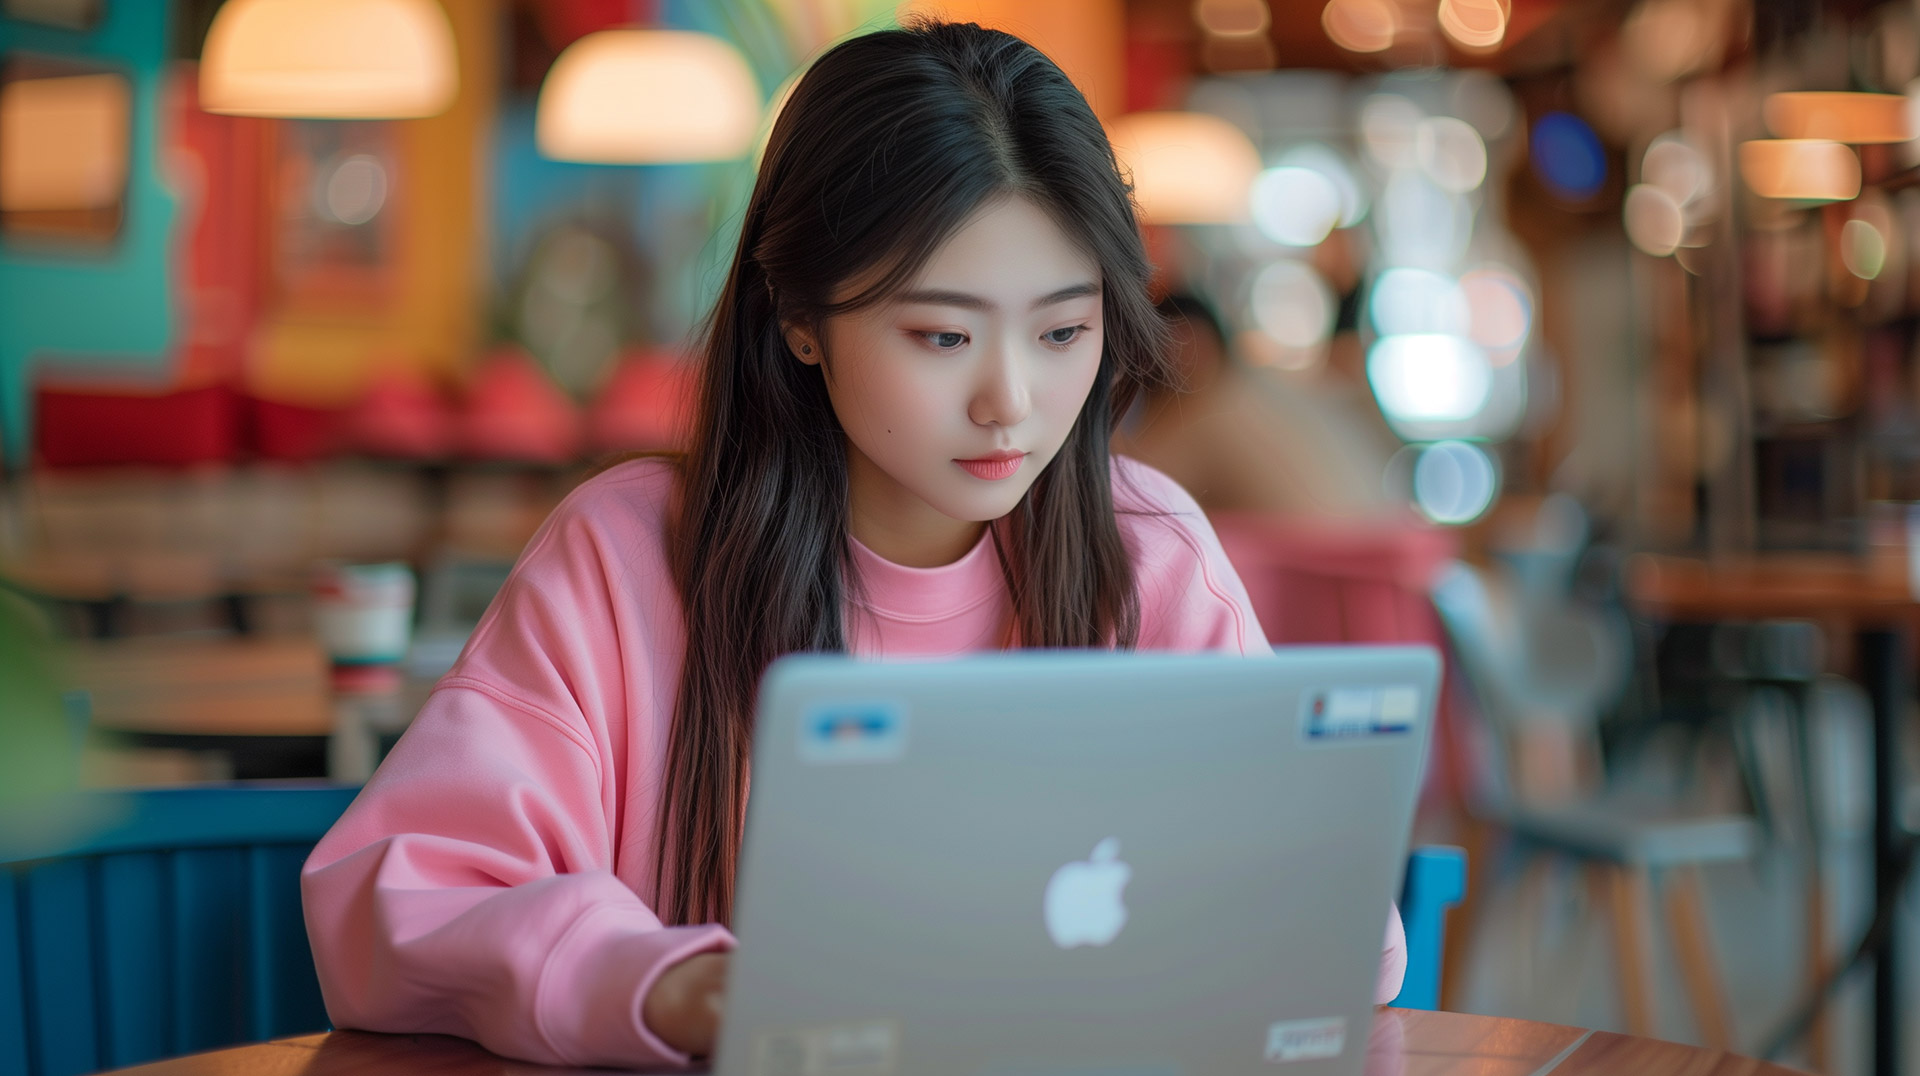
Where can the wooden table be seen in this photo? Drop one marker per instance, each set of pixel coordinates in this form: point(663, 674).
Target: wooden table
point(1875, 602)
point(1404, 1043)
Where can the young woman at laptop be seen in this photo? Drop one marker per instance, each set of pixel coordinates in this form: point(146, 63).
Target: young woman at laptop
point(938, 306)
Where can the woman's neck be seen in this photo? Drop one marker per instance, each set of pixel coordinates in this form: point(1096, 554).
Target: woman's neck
point(895, 523)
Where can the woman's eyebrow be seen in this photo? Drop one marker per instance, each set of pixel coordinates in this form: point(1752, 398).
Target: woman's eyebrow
point(942, 297)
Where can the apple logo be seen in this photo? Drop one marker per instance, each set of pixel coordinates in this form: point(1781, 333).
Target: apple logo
point(1083, 905)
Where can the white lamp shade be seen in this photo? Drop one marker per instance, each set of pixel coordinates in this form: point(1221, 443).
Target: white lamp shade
point(1187, 167)
point(1808, 169)
point(329, 59)
point(648, 97)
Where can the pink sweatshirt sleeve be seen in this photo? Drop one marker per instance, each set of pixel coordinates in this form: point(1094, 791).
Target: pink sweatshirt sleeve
point(470, 889)
point(1192, 599)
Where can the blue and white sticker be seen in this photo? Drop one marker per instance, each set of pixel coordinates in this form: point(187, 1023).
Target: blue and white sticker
point(1345, 713)
point(849, 732)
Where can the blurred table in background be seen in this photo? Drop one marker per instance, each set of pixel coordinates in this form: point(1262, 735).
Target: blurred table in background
point(1404, 1042)
point(1873, 601)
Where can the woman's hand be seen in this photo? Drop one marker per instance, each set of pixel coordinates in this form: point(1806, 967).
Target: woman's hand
point(684, 1006)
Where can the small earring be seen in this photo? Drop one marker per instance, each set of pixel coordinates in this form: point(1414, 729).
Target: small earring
point(806, 349)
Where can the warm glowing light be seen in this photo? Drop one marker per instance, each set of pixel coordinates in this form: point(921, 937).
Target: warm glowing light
point(1667, 39)
point(648, 97)
point(329, 59)
point(63, 142)
point(1454, 482)
point(1863, 248)
point(1500, 311)
point(1429, 377)
point(1295, 206)
point(1654, 220)
point(1187, 167)
point(1474, 24)
point(1361, 25)
point(1839, 117)
point(1293, 305)
point(1675, 166)
point(1232, 18)
point(1809, 169)
point(1451, 153)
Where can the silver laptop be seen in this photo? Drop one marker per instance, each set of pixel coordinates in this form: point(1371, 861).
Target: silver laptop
point(1068, 862)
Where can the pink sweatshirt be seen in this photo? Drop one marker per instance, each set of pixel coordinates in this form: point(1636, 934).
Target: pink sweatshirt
point(487, 881)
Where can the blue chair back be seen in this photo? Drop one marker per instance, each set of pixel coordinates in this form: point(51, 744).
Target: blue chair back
point(173, 927)
point(1436, 880)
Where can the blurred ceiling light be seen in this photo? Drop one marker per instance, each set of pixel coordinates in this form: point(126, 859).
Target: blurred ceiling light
point(63, 142)
point(1361, 25)
point(1232, 18)
point(1863, 248)
point(1808, 169)
point(1454, 482)
point(1429, 377)
point(329, 59)
point(1476, 25)
point(1323, 159)
point(1839, 117)
point(1668, 39)
point(1450, 153)
point(647, 97)
point(1297, 207)
point(1187, 167)
point(1407, 301)
point(1420, 223)
point(1483, 100)
point(1674, 165)
point(1499, 311)
point(1653, 219)
point(1294, 306)
point(1389, 125)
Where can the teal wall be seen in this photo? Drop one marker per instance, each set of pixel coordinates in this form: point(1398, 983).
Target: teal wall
point(111, 305)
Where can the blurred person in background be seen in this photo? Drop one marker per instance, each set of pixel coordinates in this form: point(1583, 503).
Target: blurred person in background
point(1246, 439)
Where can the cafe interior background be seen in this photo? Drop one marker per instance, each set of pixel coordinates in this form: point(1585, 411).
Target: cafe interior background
point(1574, 337)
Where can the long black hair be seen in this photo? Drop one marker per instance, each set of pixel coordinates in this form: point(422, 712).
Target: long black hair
point(888, 145)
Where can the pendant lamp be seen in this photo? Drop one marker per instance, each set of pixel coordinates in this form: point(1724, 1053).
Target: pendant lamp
point(329, 59)
point(648, 97)
point(1186, 167)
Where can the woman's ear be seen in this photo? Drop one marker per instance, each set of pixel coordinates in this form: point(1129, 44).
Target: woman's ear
point(804, 345)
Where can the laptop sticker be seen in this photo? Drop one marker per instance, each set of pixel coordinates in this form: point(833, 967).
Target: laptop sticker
point(853, 732)
point(1348, 713)
point(1306, 1040)
point(870, 1048)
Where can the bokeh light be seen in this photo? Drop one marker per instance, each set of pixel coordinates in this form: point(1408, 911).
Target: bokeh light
point(1654, 220)
point(1454, 482)
point(355, 190)
point(1361, 25)
point(1668, 39)
point(1476, 25)
point(1451, 153)
point(1406, 301)
point(1567, 156)
point(1803, 169)
point(1429, 377)
point(1389, 127)
point(1293, 305)
point(1295, 206)
point(1330, 163)
point(1420, 223)
point(1863, 248)
point(1187, 167)
point(1482, 99)
point(1499, 312)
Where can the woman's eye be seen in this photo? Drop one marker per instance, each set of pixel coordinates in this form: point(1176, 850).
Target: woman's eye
point(1063, 337)
point(945, 341)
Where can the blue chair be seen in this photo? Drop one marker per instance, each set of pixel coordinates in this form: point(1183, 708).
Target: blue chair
point(1436, 880)
point(174, 926)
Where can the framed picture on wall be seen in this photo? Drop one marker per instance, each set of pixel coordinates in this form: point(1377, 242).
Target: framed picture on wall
point(333, 230)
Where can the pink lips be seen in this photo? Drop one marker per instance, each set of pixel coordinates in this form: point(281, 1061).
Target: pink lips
point(995, 467)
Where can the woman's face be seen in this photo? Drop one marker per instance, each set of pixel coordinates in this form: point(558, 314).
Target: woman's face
point(956, 392)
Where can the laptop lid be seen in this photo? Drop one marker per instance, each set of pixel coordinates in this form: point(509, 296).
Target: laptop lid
point(1072, 862)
